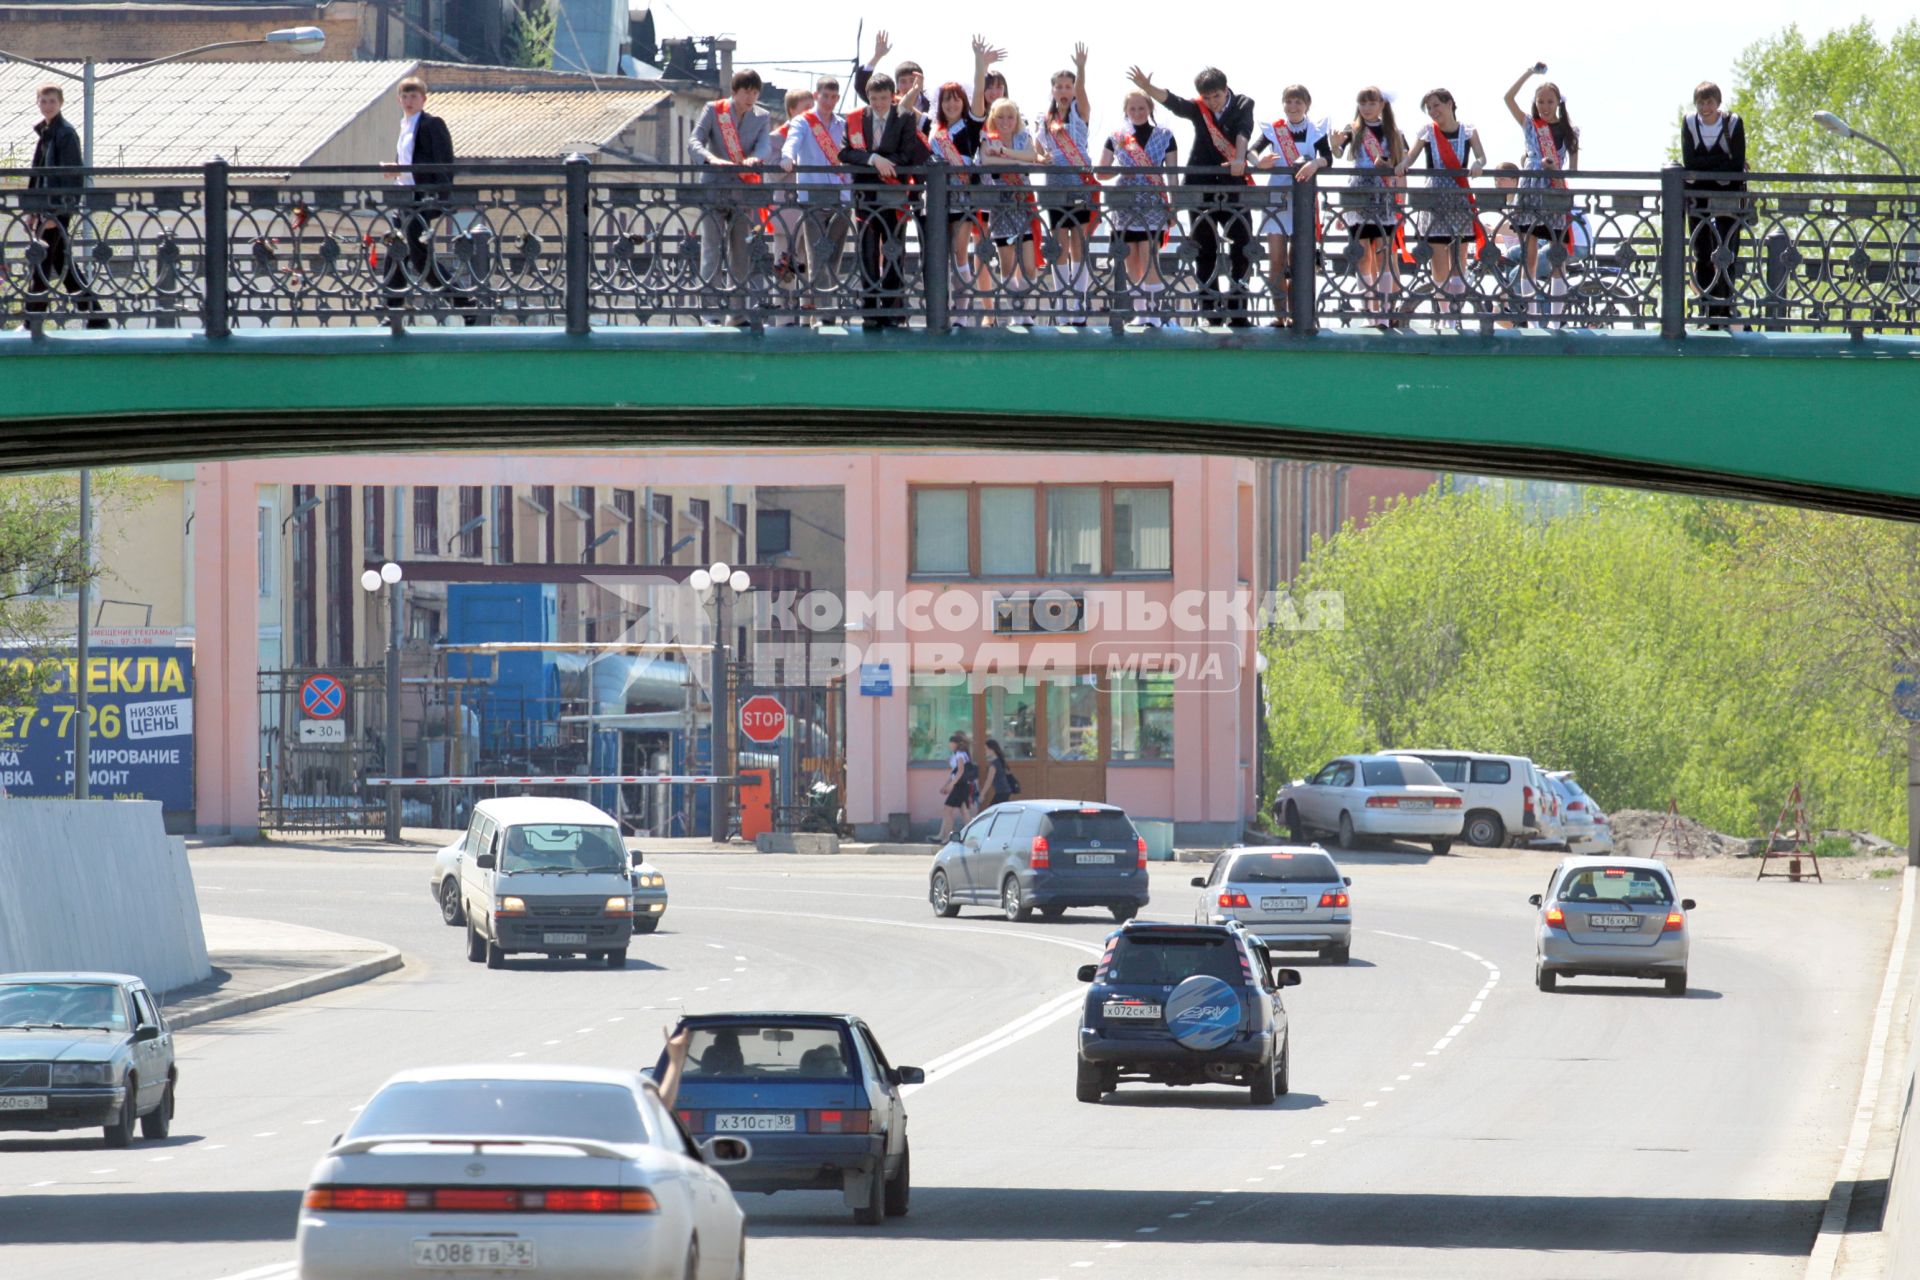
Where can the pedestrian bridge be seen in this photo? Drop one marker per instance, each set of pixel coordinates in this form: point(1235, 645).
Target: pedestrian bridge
point(242, 314)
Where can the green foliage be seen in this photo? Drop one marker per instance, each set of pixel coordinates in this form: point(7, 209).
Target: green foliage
point(1642, 642)
point(530, 39)
point(1779, 82)
point(1833, 847)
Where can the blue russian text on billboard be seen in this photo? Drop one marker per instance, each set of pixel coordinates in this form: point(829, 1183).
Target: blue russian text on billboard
point(140, 707)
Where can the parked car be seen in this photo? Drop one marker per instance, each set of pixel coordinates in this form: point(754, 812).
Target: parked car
point(1501, 794)
point(649, 885)
point(85, 1049)
point(1386, 797)
point(1588, 830)
point(1286, 896)
point(1045, 856)
point(549, 1170)
point(1183, 1004)
point(817, 1097)
point(547, 875)
point(1612, 918)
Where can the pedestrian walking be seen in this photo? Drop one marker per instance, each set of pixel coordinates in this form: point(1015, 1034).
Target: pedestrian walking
point(1222, 131)
point(733, 137)
point(997, 783)
point(1714, 141)
point(957, 791)
point(54, 185)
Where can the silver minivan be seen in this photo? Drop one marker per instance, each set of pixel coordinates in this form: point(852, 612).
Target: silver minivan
point(546, 875)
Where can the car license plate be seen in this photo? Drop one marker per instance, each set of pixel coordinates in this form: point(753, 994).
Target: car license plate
point(1131, 1010)
point(477, 1253)
point(1283, 904)
point(752, 1122)
point(1614, 922)
point(1096, 859)
point(566, 939)
point(1416, 806)
point(23, 1102)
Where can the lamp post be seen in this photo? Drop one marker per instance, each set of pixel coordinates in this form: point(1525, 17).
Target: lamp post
point(721, 584)
point(388, 575)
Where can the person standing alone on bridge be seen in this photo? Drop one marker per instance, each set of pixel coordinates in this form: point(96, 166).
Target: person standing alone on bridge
point(423, 161)
point(56, 149)
point(1714, 141)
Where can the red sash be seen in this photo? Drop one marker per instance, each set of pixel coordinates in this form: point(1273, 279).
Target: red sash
point(730, 137)
point(941, 140)
point(1443, 151)
point(1378, 158)
point(1016, 179)
point(1284, 143)
point(857, 134)
point(1543, 132)
point(1220, 142)
point(823, 137)
point(1060, 137)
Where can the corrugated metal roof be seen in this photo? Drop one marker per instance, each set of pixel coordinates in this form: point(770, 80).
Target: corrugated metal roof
point(187, 113)
point(545, 125)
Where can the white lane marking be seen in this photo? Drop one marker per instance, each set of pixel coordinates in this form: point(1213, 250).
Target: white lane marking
point(218, 1146)
point(1204, 1203)
point(829, 893)
point(584, 1031)
point(271, 1133)
point(1298, 1155)
point(1469, 955)
point(272, 1271)
point(1833, 1222)
point(740, 968)
point(1318, 1142)
point(1114, 1244)
point(521, 1054)
point(48, 1183)
point(1179, 1215)
point(1275, 1168)
point(1145, 1231)
point(99, 1173)
point(313, 1122)
point(548, 1044)
point(740, 959)
point(1403, 936)
point(715, 945)
point(1370, 1104)
point(158, 1159)
point(1000, 1038)
point(1079, 1264)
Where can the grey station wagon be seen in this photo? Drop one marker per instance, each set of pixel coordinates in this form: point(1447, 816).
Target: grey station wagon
point(1045, 856)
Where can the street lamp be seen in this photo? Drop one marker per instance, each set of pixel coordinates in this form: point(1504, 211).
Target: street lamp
point(388, 575)
point(721, 584)
point(306, 40)
point(1834, 124)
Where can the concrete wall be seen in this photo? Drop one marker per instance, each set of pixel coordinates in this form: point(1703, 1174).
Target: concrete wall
point(97, 885)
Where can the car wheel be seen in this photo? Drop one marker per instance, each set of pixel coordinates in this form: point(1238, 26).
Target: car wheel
point(1441, 848)
point(617, 959)
point(1484, 829)
point(158, 1123)
point(1545, 979)
point(1338, 955)
point(1348, 838)
point(942, 897)
point(1090, 1083)
point(450, 913)
point(692, 1270)
point(496, 958)
point(1283, 1083)
point(1265, 1077)
point(900, 1185)
point(1677, 984)
point(874, 1207)
point(646, 926)
point(476, 945)
point(1296, 829)
point(1125, 912)
point(120, 1132)
point(1013, 902)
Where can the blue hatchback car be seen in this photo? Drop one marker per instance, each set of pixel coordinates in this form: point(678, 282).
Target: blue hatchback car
point(815, 1095)
point(1043, 855)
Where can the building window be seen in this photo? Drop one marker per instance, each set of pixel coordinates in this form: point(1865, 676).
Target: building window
point(305, 583)
point(940, 531)
point(423, 624)
point(472, 520)
point(340, 574)
point(739, 519)
point(699, 515)
point(426, 520)
point(1011, 705)
point(1143, 717)
point(583, 499)
point(1007, 546)
point(1143, 530)
point(663, 521)
point(264, 549)
point(623, 503)
point(934, 711)
point(1073, 531)
point(1073, 719)
point(373, 522)
point(503, 524)
point(543, 499)
point(773, 533)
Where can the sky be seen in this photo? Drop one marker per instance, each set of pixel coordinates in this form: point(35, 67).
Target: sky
point(1627, 67)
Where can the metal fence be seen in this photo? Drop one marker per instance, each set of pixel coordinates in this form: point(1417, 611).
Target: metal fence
point(583, 246)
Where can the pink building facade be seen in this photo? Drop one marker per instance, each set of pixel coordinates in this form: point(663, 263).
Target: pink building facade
point(1093, 613)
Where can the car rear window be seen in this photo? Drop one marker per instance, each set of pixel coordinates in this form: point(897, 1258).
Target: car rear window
point(519, 1108)
point(1405, 772)
point(1080, 826)
point(1617, 884)
point(769, 1051)
point(1170, 959)
point(1282, 868)
point(1492, 772)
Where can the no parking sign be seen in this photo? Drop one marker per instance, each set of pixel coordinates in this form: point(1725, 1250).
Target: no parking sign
point(322, 697)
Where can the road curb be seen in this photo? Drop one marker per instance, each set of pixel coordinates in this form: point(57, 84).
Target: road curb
point(386, 960)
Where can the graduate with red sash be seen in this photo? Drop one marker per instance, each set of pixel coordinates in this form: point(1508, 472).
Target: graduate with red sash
point(1553, 149)
point(1455, 216)
point(1015, 226)
point(733, 136)
point(1292, 148)
point(1073, 198)
point(1139, 207)
point(885, 137)
point(1376, 147)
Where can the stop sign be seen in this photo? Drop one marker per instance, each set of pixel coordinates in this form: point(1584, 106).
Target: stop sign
point(762, 718)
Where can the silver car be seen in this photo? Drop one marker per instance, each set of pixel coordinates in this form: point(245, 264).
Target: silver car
point(1289, 897)
point(1611, 918)
point(1583, 823)
point(84, 1049)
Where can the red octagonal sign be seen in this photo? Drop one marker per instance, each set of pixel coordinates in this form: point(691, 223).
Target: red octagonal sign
point(762, 719)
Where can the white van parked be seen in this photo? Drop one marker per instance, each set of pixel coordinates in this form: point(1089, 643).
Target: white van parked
point(547, 875)
point(1506, 797)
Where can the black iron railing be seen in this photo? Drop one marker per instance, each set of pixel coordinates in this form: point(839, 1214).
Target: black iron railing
point(579, 246)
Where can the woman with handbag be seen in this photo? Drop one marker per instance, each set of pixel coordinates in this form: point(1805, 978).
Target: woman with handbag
point(999, 785)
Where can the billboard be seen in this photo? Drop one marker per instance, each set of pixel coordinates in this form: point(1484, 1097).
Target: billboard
point(140, 707)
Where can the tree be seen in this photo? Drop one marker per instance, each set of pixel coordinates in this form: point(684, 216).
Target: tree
point(530, 39)
point(1779, 82)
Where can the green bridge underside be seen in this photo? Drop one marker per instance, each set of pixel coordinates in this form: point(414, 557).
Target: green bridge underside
point(1815, 421)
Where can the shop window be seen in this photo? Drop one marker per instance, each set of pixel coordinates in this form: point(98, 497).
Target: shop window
point(1073, 720)
point(1143, 530)
point(934, 711)
point(1143, 717)
point(1011, 713)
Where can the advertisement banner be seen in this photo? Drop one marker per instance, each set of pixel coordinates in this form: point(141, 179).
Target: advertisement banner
point(140, 707)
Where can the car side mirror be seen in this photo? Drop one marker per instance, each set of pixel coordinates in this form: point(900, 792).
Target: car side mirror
point(909, 1075)
point(1688, 904)
point(1347, 881)
point(724, 1150)
point(1534, 899)
point(149, 1032)
point(336, 1140)
point(1086, 972)
point(1286, 977)
point(636, 857)
point(1199, 882)
point(484, 862)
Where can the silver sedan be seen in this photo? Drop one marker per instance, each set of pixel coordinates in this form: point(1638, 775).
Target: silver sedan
point(1290, 897)
point(1611, 918)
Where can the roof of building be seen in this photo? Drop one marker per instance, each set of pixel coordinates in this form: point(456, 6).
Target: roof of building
point(504, 125)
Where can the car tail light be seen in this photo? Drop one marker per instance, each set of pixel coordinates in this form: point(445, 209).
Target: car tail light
point(1041, 859)
point(1383, 802)
point(691, 1119)
point(599, 1200)
point(1446, 802)
point(482, 1199)
point(1333, 899)
point(1233, 899)
point(1675, 922)
point(1526, 801)
point(1600, 819)
point(478, 1199)
point(366, 1199)
point(1140, 843)
point(838, 1121)
point(1576, 806)
point(1556, 918)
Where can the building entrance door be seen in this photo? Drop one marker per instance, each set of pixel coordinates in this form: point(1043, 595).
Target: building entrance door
point(1053, 733)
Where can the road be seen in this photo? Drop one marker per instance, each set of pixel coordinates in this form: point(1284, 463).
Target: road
point(1447, 1118)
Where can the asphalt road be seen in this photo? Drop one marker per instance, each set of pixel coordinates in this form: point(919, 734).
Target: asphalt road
point(1447, 1119)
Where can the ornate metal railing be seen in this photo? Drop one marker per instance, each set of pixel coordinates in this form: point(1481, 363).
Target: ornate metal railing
point(581, 246)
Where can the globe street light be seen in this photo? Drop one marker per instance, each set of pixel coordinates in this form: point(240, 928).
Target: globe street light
point(388, 575)
point(720, 583)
